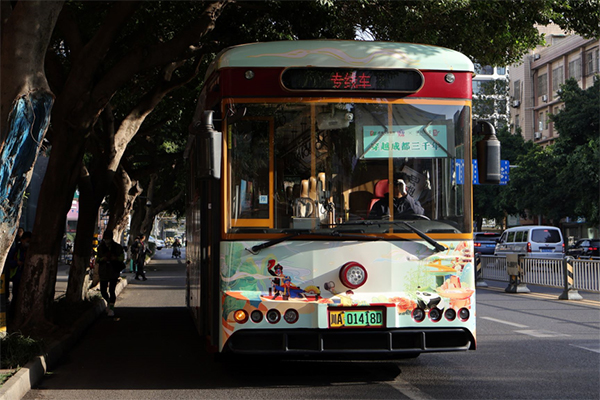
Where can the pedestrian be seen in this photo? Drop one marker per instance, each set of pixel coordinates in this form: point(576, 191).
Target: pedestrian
point(15, 262)
point(110, 263)
point(404, 204)
point(138, 251)
point(176, 249)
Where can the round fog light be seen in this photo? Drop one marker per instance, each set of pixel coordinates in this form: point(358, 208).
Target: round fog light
point(256, 316)
point(435, 314)
point(418, 314)
point(240, 316)
point(464, 314)
point(273, 316)
point(353, 275)
point(450, 314)
point(291, 316)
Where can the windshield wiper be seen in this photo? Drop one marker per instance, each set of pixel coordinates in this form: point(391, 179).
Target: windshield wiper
point(257, 248)
point(438, 247)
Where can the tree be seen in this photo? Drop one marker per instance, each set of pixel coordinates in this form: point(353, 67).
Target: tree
point(95, 74)
point(496, 201)
point(117, 54)
point(25, 105)
point(561, 180)
point(577, 149)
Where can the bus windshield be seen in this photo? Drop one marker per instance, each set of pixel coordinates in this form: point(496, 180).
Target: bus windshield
point(325, 165)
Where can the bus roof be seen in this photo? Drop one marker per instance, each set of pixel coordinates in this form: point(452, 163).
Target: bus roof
point(342, 53)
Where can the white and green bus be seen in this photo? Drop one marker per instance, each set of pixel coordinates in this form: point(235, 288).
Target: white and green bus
point(300, 150)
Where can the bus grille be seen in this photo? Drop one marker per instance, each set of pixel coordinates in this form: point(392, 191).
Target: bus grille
point(349, 341)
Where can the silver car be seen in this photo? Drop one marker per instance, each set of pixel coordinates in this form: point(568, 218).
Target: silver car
point(532, 241)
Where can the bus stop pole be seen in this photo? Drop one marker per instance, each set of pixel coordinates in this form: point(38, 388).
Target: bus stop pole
point(569, 279)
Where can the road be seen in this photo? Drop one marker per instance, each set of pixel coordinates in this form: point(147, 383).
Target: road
point(531, 346)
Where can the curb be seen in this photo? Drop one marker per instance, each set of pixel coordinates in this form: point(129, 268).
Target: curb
point(31, 374)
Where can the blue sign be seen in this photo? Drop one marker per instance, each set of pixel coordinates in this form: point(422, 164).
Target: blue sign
point(459, 169)
point(504, 170)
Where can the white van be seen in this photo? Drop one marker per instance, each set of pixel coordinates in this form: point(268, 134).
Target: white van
point(533, 241)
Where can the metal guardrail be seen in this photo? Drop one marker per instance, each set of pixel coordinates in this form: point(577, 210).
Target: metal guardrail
point(568, 273)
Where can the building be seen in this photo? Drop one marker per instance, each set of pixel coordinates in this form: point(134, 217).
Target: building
point(490, 94)
point(536, 81)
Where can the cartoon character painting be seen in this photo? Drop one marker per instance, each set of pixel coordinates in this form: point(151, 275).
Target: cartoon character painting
point(282, 284)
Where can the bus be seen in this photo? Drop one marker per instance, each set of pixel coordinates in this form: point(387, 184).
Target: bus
point(298, 152)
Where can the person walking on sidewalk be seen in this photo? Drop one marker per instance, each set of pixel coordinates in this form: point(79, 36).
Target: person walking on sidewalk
point(110, 264)
point(138, 251)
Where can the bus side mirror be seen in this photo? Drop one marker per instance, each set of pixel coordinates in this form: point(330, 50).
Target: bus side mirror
point(488, 153)
point(209, 148)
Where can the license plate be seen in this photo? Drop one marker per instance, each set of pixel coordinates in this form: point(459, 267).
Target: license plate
point(546, 250)
point(355, 318)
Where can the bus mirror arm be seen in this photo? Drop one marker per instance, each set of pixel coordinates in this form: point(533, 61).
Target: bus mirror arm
point(488, 153)
point(212, 143)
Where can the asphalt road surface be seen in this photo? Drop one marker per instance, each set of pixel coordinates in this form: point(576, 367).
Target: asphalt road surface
point(530, 346)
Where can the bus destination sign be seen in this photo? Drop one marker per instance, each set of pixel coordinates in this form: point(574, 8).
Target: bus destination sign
point(345, 79)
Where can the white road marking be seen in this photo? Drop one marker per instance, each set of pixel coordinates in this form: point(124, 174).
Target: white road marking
point(596, 350)
point(505, 322)
point(410, 391)
point(541, 334)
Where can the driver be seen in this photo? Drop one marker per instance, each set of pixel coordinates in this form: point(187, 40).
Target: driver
point(404, 204)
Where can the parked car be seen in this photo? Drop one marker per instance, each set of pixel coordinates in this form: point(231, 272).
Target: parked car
point(585, 248)
point(532, 241)
point(159, 243)
point(485, 242)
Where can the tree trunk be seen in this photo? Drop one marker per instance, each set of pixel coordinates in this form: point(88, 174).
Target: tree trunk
point(89, 203)
point(127, 190)
point(25, 103)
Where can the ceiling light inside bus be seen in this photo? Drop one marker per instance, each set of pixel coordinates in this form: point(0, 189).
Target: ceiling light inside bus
point(435, 314)
point(240, 316)
point(291, 316)
point(464, 314)
point(256, 316)
point(249, 74)
point(418, 314)
point(273, 316)
point(353, 275)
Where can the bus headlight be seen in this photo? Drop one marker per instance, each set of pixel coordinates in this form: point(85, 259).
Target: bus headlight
point(256, 316)
point(435, 314)
point(450, 314)
point(418, 314)
point(273, 316)
point(353, 275)
point(240, 316)
point(291, 316)
point(464, 314)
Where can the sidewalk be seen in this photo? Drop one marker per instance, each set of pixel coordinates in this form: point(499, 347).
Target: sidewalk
point(28, 376)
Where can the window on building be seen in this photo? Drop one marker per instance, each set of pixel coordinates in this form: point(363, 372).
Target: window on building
point(542, 86)
point(541, 122)
point(558, 78)
point(484, 69)
point(575, 69)
point(591, 62)
point(517, 123)
point(501, 70)
point(517, 90)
